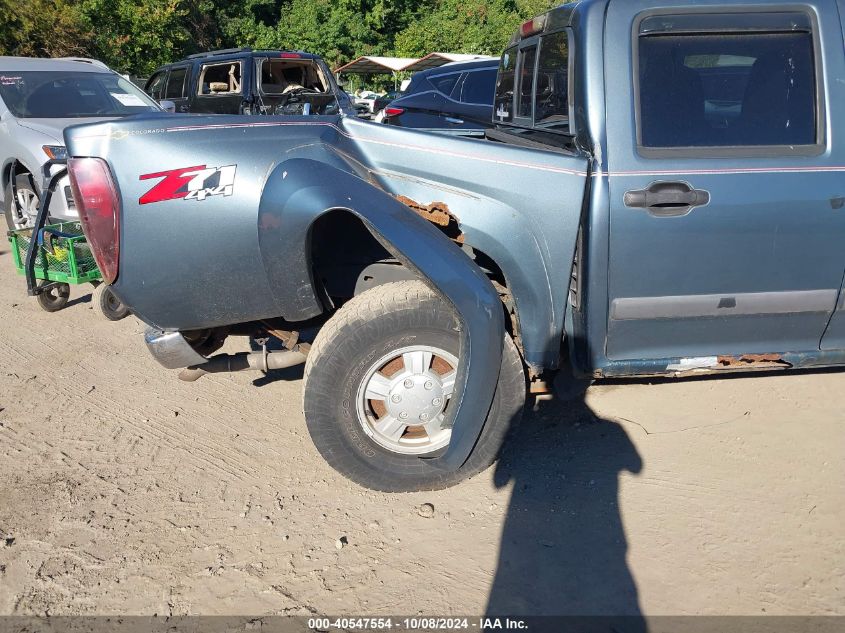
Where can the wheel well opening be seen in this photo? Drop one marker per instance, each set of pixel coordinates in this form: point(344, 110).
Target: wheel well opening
point(348, 260)
point(342, 248)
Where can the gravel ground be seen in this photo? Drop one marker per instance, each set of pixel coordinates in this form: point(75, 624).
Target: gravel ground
point(124, 491)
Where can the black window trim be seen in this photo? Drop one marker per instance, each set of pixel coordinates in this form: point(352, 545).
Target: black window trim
point(733, 151)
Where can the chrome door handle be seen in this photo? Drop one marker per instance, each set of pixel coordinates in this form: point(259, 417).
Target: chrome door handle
point(450, 119)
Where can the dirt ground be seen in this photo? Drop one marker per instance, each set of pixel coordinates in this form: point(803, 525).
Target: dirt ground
point(123, 490)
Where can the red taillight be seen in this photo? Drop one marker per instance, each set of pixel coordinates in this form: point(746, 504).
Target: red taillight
point(290, 56)
point(99, 210)
point(388, 111)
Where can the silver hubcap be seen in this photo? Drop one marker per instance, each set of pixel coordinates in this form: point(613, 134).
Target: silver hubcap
point(403, 399)
point(27, 208)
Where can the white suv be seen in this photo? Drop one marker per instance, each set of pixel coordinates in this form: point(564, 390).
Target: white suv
point(38, 99)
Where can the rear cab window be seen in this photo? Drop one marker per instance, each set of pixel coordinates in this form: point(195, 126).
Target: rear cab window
point(532, 94)
point(503, 103)
point(728, 84)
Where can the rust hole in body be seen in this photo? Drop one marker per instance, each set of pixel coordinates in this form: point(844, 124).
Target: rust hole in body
point(437, 213)
point(752, 360)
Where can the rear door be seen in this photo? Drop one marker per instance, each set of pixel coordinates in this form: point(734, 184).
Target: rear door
point(724, 236)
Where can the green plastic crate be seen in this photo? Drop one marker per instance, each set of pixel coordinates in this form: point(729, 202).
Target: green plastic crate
point(70, 261)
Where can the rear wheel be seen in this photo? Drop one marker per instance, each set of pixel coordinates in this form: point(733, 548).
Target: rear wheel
point(54, 296)
point(108, 304)
point(379, 382)
point(21, 210)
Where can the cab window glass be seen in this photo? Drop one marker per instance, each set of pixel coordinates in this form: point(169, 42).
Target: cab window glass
point(727, 90)
point(551, 96)
point(528, 59)
point(176, 84)
point(503, 105)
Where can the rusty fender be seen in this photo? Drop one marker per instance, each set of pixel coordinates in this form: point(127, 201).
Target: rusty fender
point(300, 190)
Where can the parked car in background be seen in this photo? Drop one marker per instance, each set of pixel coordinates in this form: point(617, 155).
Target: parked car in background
point(367, 98)
point(246, 81)
point(455, 98)
point(38, 99)
point(385, 100)
point(359, 109)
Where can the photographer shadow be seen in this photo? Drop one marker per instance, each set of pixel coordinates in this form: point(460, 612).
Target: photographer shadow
point(563, 547)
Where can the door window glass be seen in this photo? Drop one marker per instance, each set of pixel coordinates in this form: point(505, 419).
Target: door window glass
point(727, 90)
point(445, 83)
point(176, 83)
point(479, 86)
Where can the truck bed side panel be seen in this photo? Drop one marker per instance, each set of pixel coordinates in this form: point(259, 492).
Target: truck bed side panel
point(197, 263)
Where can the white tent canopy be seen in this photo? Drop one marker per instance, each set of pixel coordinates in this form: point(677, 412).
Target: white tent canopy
point(373, 65)
point(433, 60)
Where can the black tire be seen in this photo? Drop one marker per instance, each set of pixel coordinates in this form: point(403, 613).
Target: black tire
point(24, 182)
point(107, 304)
point(375, 322)
point(54, 298)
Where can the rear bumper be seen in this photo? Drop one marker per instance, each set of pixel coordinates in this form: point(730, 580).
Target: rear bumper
point(171, 349)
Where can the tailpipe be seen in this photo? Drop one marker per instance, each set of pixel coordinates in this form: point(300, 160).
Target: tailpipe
point(260, 361)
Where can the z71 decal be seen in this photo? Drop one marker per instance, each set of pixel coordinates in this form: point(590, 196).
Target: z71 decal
point(190, 183)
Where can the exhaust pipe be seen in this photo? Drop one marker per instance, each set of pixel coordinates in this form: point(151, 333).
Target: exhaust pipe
point(261, 361)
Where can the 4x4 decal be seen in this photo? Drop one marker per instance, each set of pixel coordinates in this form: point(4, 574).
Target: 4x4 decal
point(190, 183)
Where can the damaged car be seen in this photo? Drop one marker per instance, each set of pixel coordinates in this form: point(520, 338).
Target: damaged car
point(662, 195)
point(247, 81)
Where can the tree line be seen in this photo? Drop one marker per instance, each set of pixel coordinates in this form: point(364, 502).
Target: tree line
point(136, 36)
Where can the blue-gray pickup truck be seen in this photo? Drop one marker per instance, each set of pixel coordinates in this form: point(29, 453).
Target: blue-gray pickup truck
point(663, 193)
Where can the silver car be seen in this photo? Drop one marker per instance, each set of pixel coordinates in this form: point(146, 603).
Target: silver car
point(38, 99)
